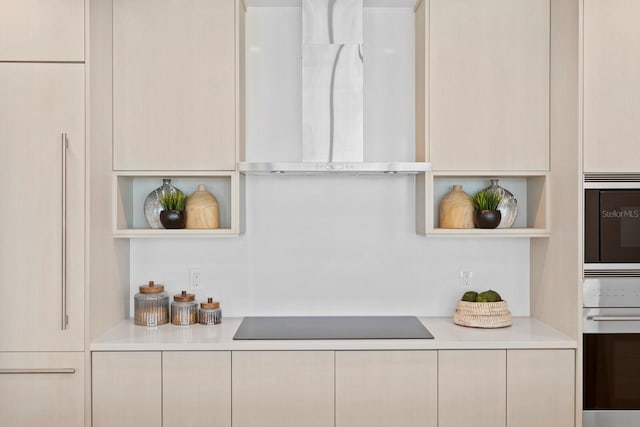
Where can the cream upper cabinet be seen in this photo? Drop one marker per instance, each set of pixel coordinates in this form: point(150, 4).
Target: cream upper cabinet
point(42, 30)
point(174, 85)
point(127, 389)
point(488, 90)
point(283, 388)
point(196, 388)
point(471, 388)
point(611, 86)
point(540, 388)
point(386, 388)
point(42, 389)
point(42, 236)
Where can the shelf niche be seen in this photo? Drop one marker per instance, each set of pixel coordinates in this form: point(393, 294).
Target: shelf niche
point(131, 189)
point(530, 191)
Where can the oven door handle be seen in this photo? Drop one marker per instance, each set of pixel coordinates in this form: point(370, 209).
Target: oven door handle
point(614, 318)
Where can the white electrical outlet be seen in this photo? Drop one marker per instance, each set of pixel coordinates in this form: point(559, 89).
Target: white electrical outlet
point(195, 278)
point(465, 279)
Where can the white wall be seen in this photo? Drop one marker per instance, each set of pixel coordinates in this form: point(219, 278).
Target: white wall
point(334, 245)
point(329, 244)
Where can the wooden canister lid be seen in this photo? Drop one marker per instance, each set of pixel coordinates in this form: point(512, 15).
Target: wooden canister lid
point(184, 297)
point(151, 288)
point(210, 304)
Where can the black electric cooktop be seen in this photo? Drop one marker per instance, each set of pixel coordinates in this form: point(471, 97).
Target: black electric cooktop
point(331, 328)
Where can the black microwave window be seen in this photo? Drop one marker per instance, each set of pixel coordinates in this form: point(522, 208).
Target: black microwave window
point(619, 226)
point(630, 227)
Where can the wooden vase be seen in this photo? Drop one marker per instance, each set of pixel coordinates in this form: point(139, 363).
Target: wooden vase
point(202, 210)
point(456, 209)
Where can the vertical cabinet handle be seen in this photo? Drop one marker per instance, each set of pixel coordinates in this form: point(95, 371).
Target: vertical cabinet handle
point(65, 146)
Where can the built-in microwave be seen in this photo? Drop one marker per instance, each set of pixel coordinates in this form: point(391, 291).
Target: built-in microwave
point(612, 225)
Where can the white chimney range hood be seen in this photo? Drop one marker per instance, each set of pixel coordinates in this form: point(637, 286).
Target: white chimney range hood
point(332, 98)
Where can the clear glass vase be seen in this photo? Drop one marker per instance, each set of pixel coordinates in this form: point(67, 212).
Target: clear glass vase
point(508, 206)
point(153, 205)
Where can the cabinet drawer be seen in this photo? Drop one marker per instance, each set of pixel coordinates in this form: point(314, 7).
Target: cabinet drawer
point(42, 30)
point(42, 389)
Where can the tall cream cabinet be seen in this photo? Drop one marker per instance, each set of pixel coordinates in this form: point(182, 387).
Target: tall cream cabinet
point(42, 228)
point(42, 30)
point(483, 84)
point(611, 85)
point(42, 151)
point(174, 106)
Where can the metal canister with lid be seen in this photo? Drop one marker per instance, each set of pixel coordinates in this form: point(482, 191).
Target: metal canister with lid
point(184, 309)
point(151, 305)
point(210, 312)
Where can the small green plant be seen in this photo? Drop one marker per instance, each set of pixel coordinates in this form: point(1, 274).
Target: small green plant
point(173, 201)
point(485, 200)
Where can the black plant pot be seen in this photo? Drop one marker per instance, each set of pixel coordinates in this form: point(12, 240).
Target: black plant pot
point(487, 219)
point(173, 219)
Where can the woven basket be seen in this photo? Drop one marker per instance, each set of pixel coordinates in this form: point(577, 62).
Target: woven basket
point(482, 314)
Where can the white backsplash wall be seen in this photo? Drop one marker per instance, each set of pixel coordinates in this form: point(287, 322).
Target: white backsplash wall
point(329, 245)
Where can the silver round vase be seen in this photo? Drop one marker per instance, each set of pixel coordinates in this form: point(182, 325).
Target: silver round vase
point(508, 206)
point(153, 206)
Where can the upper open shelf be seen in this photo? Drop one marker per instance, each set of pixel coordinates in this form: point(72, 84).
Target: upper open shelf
point(130, 190)
point(529, 188)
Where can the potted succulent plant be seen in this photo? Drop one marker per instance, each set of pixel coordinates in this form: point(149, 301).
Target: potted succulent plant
point(173, 215)
point(486, 204)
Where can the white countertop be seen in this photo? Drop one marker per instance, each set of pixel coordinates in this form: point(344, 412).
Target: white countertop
point(525, 332)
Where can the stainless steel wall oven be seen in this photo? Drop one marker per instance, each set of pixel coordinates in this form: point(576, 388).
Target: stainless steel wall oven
point(611, 301)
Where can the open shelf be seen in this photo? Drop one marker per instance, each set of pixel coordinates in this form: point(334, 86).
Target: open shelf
point(130, 190)
point(529, 188)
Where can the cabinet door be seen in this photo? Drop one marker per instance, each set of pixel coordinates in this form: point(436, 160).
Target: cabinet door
point(42, 30)
point(174, 85)
point(386, 388)
point(40, 277)
point(283, 388)
point(540, 388)
point(489, 84)
point(471, 388)
point(41, 389)
point(126, 389)
point(196, 388)
point(611, 85)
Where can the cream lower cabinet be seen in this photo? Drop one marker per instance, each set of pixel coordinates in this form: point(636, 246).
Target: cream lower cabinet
point(127, 389)
point(196, 388)
point(540, 388)
point(421, 388)
point(283, 388)
point(472, 388)
point(386, 388)
point(513, 388)
point(40, 388)
point(161, 389)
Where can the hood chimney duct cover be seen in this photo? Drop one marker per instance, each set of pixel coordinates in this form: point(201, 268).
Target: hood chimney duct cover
point(332, 82)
